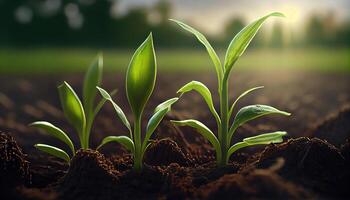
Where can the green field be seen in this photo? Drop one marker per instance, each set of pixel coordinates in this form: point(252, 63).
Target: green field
point(48, 60)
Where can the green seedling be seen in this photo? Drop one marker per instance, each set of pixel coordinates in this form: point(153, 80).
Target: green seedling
point(222, 143)
point(79, 115)
point(140, 81)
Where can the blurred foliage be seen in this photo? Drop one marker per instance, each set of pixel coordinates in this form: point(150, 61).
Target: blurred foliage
point(91, 23)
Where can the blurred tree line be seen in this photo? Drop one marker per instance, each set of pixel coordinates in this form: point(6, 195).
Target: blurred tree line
point(96, 23)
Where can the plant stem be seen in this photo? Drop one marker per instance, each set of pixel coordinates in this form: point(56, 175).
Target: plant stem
point(224, 121)
point(138, 149)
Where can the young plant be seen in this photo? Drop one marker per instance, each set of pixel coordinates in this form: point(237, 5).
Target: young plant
point(79, 115)
point(222, 143)
point(140, 81)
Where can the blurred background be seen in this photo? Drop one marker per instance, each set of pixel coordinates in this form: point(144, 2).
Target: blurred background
point(51, 36)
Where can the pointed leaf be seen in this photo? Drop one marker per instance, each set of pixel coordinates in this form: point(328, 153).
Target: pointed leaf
point(102, 102)
point(72, 107)
point(241, 96)
point(54, 151)
point(205, 92)
point(251, 112)
point(55, 132)
point(204, 131)
point(92, 79)
point(165, 104)
point(141, 76)
point(266, 138)
point(123, 140)
point(117, 109)
point(214, 57)
point(241, 41)
point(157, 117)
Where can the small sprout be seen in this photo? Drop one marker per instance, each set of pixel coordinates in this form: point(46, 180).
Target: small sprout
point(79, 115)
point(140, 82)
point(222, 142)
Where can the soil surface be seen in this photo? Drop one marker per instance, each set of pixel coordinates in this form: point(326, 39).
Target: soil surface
point(313, 162)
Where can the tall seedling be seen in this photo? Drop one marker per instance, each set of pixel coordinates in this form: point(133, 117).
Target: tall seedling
point(222, 142)
point(79, 115)
point(140, 81)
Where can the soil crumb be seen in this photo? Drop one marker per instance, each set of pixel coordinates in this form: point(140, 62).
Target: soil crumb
point(90, 176)
point(164, 152)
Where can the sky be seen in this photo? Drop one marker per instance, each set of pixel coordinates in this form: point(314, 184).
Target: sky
point(211, 16)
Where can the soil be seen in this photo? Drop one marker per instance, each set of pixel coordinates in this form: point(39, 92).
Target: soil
point(313, 162)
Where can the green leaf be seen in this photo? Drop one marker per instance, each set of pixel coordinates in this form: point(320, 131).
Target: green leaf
point(123, 140)
point(251, 112)
point(165, 104)
point(92, 79)
point(117, 109)
point(241, 41)
point(241, 96)
point(72, 108)
point(102, 102)
point(57, 152)
point(214, 57)
point(205, 92)
point(141, 76)
point(155, 120)
point(204, 131)
point(55, 132)
point(266, 138)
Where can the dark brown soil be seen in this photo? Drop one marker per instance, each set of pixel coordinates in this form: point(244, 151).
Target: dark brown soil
point(164, 152)
point(14, 168)
point(90, 176)
point(335, 128)
point(313, 163)
point(257, 184)
point(180, 164)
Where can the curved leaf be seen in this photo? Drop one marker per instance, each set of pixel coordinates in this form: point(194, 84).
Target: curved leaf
point(57, 152)
point(72, 108)
point(241, 96)
point(251, 112)
point(204, 131)
point(205, 92)
point(241, 41)
point(92, 79)
point(117, 109)
point(123, 140)
point(55, 132)
point(155, 120)
point(165, 104)
point(214, 57)
point(141, 76)
point(266, 138)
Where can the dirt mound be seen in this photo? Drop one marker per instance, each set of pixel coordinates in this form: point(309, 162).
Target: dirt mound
point(148, 184)
point(313, 163)
point(258, 184)
point(90, 176)
point(164, 152)
point(335, 128)
point(14, 168)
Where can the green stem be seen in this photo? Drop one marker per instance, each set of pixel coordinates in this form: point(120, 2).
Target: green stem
point(224, 121)
point(138, 147)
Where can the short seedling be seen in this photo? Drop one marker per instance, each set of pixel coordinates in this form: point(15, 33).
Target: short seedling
point(79, 115)
point(222, 143)
point(140, 81)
